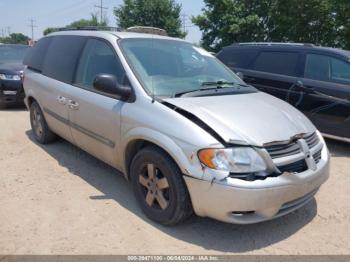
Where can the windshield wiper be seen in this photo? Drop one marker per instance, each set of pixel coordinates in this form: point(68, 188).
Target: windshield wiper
point(218, 83)
point(207, 86)
point(198, 90)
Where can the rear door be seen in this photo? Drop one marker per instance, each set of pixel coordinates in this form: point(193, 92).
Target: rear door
point(57, 75)
point(95, 117)
point(327, 80)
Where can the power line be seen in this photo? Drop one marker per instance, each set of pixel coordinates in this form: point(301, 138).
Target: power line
point(101, 7)
point(32, 25)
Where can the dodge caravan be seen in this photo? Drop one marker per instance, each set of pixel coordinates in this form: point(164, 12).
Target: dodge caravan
point(189, 135)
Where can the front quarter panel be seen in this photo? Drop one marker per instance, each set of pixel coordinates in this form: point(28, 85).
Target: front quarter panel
point(160, 125)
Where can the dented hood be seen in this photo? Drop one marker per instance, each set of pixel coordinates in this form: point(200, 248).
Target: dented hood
point(255, 118)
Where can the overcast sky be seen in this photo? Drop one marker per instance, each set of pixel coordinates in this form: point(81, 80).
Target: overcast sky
point(15, 14)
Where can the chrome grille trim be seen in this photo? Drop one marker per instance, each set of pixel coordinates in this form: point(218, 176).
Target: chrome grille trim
point(290, 157)
point(317, 156)
point(291, 148)
point(312, 140)
point(282, 150)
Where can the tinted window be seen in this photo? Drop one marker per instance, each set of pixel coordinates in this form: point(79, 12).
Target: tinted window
point(12, 53)
point(98, 58)
point(340, 71)
point(283, 63)
point(36, 55)
point(237, 57)
point(62, 57)
point(326, 68)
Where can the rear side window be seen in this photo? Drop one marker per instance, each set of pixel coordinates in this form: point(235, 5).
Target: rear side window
point(327, 68)
point(237, 58)
point(62, 57)
point(283, 63)
point(36, 54)
point(317, 67)
point(98, 57)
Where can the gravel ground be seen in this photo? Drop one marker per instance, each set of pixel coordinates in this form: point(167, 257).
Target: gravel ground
point(56, 199)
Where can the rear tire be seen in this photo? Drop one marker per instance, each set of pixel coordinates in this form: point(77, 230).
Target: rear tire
point(41, 131)
point(159, 187)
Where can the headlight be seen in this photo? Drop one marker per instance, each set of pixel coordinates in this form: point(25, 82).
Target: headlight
point(10, 77)
point(233, 160)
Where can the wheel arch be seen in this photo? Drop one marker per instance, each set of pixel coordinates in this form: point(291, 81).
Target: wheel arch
point(143, 137)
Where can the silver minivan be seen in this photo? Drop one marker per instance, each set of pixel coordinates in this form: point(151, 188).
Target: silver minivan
point(189, 135)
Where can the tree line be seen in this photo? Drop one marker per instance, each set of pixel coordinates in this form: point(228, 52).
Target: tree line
point(321, 22)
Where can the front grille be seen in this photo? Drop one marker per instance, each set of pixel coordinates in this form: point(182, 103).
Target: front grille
point(296, 167)
point(312, 140)
point(282, 150)
point(291, 148)
point(317, 156)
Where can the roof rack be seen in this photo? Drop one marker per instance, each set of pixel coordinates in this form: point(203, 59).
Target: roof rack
point(147, 30)
point(90, 28)
point(276, 43)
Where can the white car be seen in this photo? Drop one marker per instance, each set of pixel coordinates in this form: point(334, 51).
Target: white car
point(188, 133)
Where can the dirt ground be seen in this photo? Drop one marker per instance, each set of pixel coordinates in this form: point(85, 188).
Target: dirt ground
point(56, 199)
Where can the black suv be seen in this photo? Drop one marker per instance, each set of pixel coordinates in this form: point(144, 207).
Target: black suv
point(316, 80)
point(11, 74)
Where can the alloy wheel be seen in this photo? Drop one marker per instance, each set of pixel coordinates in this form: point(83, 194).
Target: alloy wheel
point(37, 122)
point(155, 187)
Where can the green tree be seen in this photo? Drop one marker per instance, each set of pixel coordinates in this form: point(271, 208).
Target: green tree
point(15, 38)
point(164, 14)
point(323, 22)
point(93, 21)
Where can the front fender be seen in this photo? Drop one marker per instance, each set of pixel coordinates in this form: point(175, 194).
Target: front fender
point(187, 161)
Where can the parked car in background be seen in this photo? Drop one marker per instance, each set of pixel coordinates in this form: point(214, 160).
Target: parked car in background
point(316, 80)
point(11, 74)
point(183, 128)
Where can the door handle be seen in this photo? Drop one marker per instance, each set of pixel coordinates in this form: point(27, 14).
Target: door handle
point(62, 100)
point(73, 105)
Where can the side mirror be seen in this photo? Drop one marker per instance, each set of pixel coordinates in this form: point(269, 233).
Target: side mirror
point(109, 84)
point(240, 75)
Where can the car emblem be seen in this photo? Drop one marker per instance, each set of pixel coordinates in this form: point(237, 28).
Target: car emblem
point(310, 161)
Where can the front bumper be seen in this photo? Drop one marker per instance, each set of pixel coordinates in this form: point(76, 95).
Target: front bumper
point(244, 202)
point(11, 92)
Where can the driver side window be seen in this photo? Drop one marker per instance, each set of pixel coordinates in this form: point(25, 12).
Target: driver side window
point(98, 58)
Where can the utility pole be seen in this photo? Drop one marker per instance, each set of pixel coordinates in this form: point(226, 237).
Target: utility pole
point(32, 25)
point(101, 7)
point(184, 17)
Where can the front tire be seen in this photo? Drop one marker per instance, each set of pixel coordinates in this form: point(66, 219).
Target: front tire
point(159, 187)
point(41, 131)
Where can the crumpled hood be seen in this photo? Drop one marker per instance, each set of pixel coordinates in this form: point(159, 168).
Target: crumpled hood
point(255, 118)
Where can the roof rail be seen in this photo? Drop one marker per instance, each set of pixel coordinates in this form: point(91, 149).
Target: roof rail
point(147, 30)
point(275, 43)
point(90, 28)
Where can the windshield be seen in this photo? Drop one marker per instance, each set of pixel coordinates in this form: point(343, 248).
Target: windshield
point(12, 54)
point(168, 67)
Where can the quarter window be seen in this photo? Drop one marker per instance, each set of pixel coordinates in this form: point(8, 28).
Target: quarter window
point(36, 55)
point(98, 58)
point(326, 68)
point(283, 63)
